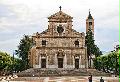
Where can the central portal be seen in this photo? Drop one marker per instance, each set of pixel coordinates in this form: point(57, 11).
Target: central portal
point(43, 63)
point(60, 62)
point(77, 63)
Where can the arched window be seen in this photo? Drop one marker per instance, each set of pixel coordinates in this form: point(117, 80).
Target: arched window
point(43, 42)
point(76, 43)
point(90, 23)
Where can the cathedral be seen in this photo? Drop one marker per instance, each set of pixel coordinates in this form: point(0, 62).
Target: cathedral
point(60, 46)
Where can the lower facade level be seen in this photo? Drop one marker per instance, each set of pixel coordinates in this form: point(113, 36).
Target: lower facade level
point(60, 62)
point(59, 59)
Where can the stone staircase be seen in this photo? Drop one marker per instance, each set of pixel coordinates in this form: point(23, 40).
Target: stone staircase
point(38, 72)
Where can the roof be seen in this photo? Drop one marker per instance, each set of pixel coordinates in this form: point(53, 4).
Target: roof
point(90, 16)
point(60, 14)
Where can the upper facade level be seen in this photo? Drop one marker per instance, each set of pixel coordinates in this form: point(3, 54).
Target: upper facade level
point(60, 25)
point(60, 33)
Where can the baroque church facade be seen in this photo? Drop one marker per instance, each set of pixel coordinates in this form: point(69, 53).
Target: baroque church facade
point(60, 46)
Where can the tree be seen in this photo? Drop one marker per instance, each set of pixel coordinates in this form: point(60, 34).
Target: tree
point(98, 63)
point(5, 61)
point(24, 46)
point(108, 63)
point(117, 62)
point(18, 65)
point(92, 49)
point(7, 66)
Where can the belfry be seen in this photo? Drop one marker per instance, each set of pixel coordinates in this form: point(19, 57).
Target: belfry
point(90, 23)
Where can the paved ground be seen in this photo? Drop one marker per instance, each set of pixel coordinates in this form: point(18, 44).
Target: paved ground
point(59, 79)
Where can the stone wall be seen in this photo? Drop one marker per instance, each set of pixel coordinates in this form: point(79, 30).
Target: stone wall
point(59, 44)
point(69, 56)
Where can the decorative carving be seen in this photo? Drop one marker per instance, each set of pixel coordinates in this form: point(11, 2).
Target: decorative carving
point(43, 55)
point(44, 42)
point(60, 53)
point(60, 29)
point(76, 43)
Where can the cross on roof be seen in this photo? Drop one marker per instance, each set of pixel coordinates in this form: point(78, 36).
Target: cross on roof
point(60, 8)
point(89, 11)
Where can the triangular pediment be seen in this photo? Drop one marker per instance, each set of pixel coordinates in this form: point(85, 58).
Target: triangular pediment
point(60, 14)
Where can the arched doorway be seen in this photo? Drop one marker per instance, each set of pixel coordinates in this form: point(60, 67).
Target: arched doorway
point(60, 58)
point(43, 63)
point(43, 60)
point(77, 58)
point(77, 63)
point(60, 62)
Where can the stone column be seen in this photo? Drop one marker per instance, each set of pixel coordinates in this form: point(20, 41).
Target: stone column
point(39, 61)
point(73, 61)
point(80, 61)
point(86, 59)
point(56, 62)
point(65, 62)
point(36, 65)
point(47, 61)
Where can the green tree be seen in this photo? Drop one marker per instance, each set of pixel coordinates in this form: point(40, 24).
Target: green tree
point(5, 63)
point(118, 60)
point(98, 63)
point(118, 55)
point(18, 65)
point(108, 63)
point(8, 65)
point(92, 49)
point(24, 46)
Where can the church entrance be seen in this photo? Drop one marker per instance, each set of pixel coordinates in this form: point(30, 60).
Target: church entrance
point(43, 63)
point(60, 62)
point(77, 63)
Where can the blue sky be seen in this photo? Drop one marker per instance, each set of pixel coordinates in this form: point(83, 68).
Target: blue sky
point(19, 17)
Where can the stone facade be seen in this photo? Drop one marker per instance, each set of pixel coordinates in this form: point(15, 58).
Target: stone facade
point(60, 46)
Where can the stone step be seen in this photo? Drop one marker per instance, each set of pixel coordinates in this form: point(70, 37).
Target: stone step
point(61, 72)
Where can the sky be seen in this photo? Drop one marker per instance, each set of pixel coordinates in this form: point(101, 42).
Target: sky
point(19, 17)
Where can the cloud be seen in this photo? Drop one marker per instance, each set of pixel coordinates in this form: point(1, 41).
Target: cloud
point(19, 17)
point(106, 39)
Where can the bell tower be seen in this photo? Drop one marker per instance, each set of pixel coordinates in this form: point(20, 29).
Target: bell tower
point(90, 23)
